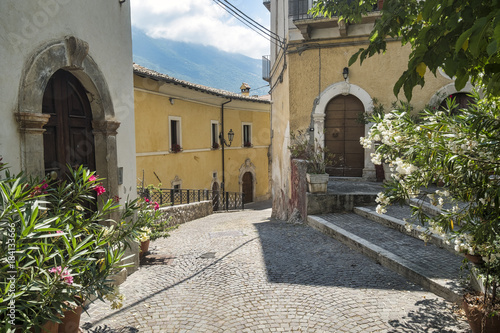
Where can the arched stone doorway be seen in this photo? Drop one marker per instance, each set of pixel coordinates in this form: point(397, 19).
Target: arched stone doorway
point(318, 116)
point(247, 187)
point(248, 180)
point(343, 129)
point(462, 100)
point(72, 55)
point(68, 137)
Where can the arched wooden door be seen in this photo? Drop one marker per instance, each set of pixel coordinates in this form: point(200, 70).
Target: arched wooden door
point(68, 139)
point(343, 129)
point(247, 187)
point(462, 100)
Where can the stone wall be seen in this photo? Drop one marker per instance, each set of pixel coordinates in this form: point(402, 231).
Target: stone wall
point(298, 202)
point(188, 212)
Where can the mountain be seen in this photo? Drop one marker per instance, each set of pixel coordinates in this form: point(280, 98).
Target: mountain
point(198, 64)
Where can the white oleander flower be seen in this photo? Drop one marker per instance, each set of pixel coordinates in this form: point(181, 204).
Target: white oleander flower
point(380, 209)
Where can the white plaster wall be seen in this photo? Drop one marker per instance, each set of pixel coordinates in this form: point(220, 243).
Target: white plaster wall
point(25, 25)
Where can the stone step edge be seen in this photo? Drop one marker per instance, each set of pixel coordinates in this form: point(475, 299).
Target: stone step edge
point(386, 258)
point(400, 225)
point(425, 206)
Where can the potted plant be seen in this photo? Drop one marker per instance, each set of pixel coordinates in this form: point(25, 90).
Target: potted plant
point(317, 157)
point(64, 248)
point(153, 222)
point(461, 150)
point(176, 148)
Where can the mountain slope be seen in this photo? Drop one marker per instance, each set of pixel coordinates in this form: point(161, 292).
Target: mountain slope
point(198, 64)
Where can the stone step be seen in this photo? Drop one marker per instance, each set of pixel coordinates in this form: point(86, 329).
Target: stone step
point(395, 218)
point(432, 267)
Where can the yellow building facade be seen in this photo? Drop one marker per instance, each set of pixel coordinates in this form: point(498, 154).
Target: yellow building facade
point(314, 89)
point(178, 137)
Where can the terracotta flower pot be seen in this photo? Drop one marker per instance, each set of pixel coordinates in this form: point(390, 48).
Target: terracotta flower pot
point(144, 248)
point(71, 321)
point(475, 259)
point(475, 317)
point(48, 327)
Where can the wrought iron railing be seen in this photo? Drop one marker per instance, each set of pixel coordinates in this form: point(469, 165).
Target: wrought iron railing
point(220, 200)
point(297, 9)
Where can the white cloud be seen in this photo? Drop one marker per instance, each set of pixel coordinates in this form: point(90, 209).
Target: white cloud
point(197, 21)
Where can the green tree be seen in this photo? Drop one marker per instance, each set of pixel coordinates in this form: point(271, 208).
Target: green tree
point(460, 36)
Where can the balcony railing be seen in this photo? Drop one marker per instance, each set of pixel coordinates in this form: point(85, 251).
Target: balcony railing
point(297, 9)
point(171, 197)
point(266, 68)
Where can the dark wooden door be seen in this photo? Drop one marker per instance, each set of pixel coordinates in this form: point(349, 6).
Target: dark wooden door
point(68, 139)
point(462, 100)
point(247, 187)
point(343, 129)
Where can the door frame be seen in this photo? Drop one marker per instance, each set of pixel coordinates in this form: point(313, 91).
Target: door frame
point(248, 166)
point(318, 116)
point(71, 54)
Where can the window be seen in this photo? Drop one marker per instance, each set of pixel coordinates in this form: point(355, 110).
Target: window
point(215, 134)
point(247, 135)
point(175, 134)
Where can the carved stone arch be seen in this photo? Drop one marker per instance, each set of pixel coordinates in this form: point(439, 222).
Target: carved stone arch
point(70, 54)
point(448, 90)
point(318, 115)
point(248, 166)
point(215, 180)
point(176, 182)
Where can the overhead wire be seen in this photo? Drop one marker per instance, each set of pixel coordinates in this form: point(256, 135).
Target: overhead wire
point(249, 22)
point(269, 32)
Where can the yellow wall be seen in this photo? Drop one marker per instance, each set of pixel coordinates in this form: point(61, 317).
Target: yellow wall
point(312, 71)
point(308, 73)
point(197, 162)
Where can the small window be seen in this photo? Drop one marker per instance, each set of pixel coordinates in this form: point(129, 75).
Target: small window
point(215, 135)
point(247, 135)
point(175, 134)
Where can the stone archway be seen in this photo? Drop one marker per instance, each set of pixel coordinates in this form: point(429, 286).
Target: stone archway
point(247, 173)
point(70, 54)
point(319, 113)
point(446, 91)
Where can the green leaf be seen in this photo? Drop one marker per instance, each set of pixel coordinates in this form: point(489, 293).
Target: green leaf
point(492, 48)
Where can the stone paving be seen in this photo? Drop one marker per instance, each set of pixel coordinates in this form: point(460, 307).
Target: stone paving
point(246, 272)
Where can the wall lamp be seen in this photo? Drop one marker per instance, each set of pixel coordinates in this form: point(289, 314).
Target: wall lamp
point(345, 73)
point(171, 99)
point(121, 1)
point(230, 137)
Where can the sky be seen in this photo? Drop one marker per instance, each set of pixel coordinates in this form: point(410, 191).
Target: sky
point(203, 22)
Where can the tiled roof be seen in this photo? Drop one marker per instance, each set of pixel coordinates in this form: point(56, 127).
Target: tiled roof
point(149, 73)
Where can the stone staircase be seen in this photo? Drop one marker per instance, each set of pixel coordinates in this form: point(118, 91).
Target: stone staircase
point(433, 265)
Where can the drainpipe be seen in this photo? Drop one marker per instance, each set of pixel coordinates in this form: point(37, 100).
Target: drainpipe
point(223, 143)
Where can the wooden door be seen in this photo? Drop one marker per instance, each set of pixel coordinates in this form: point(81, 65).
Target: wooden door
point(68, 139)
point(247, 187)
point(343, 128)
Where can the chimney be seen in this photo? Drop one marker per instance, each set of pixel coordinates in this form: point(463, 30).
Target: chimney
point(245, 89)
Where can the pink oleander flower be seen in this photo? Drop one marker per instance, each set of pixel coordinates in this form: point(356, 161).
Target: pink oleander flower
point(92, 178)
point(156, 206)
point(63, 273)
point(59, 232)
point(147, 200)
point(100, 189)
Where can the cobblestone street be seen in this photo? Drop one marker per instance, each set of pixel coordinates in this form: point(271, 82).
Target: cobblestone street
point(246, 272)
